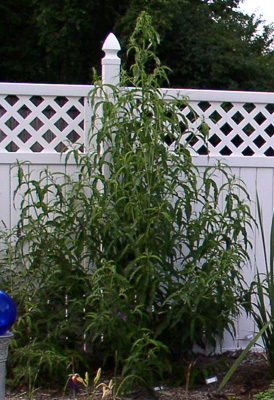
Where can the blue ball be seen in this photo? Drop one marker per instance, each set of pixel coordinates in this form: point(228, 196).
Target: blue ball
point(7, 312)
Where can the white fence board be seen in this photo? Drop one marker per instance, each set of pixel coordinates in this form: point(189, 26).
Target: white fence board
point(5, 194)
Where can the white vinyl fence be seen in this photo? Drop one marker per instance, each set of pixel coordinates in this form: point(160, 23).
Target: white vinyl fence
point(38, 121)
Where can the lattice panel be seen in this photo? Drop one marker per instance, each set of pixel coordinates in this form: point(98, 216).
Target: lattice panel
point(48, 124)
point(235, 129)
point(38, 124)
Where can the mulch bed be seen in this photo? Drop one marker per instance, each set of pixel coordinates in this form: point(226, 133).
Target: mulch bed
point(251, 377)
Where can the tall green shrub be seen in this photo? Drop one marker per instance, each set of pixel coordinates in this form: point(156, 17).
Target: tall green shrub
point(262, 291)
point(142, 249)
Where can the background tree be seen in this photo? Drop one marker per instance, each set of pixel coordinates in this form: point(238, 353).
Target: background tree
point(71, 33)
point(209, 44)
point(206, 43)
point(20, 56)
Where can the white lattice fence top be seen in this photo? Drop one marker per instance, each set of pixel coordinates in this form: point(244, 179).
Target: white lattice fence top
point(47, 118)
point(240, 123)
point(45, 121)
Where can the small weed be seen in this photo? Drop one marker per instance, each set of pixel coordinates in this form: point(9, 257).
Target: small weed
point(107, 389)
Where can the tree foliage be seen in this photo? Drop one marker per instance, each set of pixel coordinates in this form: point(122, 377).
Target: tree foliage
point(210, 44)
point(207, 44)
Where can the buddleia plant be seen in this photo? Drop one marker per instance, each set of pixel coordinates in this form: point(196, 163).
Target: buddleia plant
point(142, 249)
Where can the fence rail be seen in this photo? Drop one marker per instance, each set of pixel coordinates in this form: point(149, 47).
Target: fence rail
point(37, 123)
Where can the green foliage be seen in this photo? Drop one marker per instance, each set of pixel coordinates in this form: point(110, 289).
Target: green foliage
point(138, 253)
point(20, 54)
point(262, 289)
point(267, 394)
point(262, 304)
point(207, 44)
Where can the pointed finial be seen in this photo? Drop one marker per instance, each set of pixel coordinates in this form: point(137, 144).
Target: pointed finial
point(111, 47)
point(111, 62)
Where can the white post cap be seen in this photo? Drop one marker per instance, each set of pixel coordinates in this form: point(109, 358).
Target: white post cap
point(111, 62)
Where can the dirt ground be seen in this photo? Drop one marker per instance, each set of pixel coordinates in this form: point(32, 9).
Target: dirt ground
point(251, 377)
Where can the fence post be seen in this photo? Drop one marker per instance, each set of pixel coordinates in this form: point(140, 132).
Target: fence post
point(111, 62)
point(4, 346)
point(110, 76)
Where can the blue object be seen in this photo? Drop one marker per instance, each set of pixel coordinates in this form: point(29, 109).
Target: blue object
point(7, 312)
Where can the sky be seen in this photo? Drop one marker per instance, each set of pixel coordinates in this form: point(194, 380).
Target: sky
point(259, 7)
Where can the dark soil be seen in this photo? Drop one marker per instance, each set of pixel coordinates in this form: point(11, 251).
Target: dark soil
point(251, 377)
